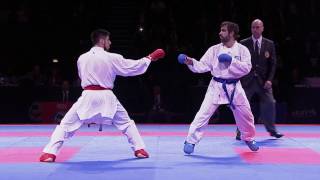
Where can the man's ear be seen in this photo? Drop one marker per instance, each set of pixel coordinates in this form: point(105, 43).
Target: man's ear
point(101, 41)
point(232, 34)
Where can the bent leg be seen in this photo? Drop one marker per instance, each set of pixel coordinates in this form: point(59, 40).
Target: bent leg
point(245, 121)
point(249, 90)
point(68, 126)
point(201, 120)
point(128, 127)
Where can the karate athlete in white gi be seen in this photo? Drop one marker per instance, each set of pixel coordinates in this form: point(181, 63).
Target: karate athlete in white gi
point(228, 62)
point(97, 70)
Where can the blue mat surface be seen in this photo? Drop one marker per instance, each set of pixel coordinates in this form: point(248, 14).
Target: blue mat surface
point(217, 156)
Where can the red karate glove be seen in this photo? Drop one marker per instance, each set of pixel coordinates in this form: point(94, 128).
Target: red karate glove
point(157, 54)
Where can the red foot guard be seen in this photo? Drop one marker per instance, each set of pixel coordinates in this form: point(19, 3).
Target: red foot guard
point(46, 157)
point(141, 153)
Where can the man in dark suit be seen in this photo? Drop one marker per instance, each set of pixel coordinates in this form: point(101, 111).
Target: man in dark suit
point(259, 80)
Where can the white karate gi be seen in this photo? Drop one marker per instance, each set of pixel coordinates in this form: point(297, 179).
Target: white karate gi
point(98, 67)
point(215, 95)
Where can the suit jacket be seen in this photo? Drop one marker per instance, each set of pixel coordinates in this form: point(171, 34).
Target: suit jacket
point(263, 65)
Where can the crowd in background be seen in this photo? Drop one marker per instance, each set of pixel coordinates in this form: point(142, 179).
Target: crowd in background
point(41, 41)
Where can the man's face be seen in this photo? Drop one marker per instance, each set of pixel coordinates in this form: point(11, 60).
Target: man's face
point(107, 43)
point(224, 34)
point(257, 29)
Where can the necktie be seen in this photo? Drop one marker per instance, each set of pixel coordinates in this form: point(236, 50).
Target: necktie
point(256, 49)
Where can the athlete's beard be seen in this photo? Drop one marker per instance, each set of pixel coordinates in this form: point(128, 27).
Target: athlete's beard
point(225, 39)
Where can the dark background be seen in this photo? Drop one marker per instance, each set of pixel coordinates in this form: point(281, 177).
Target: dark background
point(33, 33)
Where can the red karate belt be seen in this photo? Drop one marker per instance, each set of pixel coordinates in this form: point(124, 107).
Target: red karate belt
point(95, 87)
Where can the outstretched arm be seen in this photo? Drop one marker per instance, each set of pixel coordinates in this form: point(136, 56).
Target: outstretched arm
point(197, 66)
point(129, 67)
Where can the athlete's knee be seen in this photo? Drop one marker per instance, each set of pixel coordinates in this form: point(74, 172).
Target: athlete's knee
point(123, 124)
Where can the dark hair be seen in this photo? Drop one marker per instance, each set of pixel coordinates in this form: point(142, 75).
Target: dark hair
point(232, 27)
point(98, 34)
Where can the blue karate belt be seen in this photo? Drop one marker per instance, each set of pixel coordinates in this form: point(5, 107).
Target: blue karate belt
point(224, 86)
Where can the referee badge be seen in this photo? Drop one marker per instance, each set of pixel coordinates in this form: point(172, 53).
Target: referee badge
point(267, 54)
